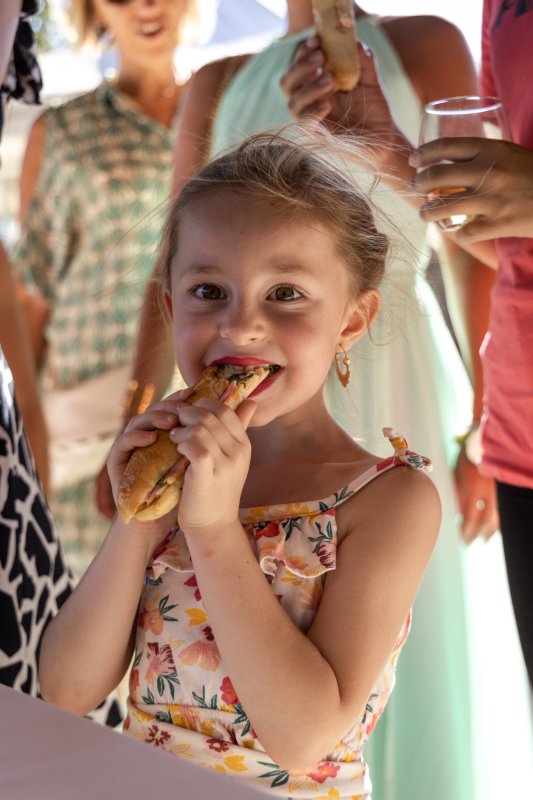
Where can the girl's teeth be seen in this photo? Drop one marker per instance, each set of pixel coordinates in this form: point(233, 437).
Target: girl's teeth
point(149, 27)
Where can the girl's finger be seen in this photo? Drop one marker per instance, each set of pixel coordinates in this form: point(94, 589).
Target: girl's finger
point(246, 411)
point(155, 418)
point(130, 440)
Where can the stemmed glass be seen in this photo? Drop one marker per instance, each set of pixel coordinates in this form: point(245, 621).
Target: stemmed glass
point(462, 116)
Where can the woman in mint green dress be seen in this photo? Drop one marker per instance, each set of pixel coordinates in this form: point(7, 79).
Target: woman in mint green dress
point(430, 742)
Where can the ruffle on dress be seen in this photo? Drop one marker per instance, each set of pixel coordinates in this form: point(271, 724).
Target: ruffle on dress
point(305, 545)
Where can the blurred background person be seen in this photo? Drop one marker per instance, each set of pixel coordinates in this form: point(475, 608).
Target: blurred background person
point(95, 175)
point(34, 579)
point(424, 386)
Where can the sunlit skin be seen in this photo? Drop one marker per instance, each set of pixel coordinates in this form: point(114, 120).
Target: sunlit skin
point(251, 285)
point(240, 290)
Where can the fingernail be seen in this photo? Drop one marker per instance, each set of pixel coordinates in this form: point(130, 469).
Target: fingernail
point(315, 57)
point(312, 42)
point(325, 80)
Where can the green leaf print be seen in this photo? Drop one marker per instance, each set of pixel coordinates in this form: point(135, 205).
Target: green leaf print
point(164, 609)
point(242, 719)
point(325, 536)
point(149, 699)
point(289, 525)
point(170, 678)
point(202, 702)
point(137, 659)
point(281, 776)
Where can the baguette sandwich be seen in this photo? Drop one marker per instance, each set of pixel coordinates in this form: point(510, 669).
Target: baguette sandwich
point(336, 27)
point(153, 478)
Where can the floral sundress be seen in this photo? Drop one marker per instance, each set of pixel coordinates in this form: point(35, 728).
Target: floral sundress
point(181, 696)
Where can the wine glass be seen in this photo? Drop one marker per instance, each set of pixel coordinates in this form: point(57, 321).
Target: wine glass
point(462, 116)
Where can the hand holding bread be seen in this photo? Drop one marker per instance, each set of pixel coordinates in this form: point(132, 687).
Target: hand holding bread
point(336, 27)
point(153, 478)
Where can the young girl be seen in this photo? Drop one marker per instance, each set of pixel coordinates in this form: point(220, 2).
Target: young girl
point(271, 618)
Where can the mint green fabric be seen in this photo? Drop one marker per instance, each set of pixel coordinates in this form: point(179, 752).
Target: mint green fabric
point(408, 375)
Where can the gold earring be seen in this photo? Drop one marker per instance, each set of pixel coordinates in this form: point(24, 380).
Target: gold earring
point(342, 367)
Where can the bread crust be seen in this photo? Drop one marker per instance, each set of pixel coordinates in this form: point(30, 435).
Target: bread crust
point(336, 27)
point(148, 465)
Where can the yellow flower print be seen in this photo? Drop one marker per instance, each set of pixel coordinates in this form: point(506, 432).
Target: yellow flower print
point(196, 616)
point(235, 763)
point(311, 595)
point(202, 654)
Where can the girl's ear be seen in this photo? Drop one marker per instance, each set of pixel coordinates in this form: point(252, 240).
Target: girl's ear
point(167, 300)
point(361, 316)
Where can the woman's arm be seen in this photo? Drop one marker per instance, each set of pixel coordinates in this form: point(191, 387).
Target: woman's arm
point(16, 344)
point(468, 283)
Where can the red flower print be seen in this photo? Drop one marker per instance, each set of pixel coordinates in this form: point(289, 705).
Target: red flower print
point(218, 745)
point(208, 633)
point(229, 696)
point(323, 771)
point(134, 680)
point(151, 619)
point(325, 556)
point(162, 546)
point(194, 584)
point(126, 725)
point(160, 661)
point(157, 737)
point(270, 530)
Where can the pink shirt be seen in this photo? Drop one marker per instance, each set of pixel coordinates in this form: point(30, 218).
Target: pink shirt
point(507, 72)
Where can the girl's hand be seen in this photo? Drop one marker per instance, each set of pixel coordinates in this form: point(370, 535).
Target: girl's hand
point(311, 92)
point(213, 438)
point(141, 432)
point(497, 177)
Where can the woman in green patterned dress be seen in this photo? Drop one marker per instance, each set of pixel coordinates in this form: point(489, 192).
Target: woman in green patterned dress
point(95, 179)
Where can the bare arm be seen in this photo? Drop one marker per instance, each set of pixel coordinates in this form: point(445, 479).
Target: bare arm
point(468, 284)
point(17, 348)
point(154, 355)
point(9, 17)
point(379, 566)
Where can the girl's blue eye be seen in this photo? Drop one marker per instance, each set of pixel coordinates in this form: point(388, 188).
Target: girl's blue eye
point(285, 293)
point(208, 291)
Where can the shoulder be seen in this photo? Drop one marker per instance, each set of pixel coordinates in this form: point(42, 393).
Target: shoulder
point(217, 73)
point(399, 508)
point(434, 54)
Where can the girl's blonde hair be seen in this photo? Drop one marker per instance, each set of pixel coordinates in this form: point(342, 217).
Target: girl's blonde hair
point(84, 23)
point(307, 174)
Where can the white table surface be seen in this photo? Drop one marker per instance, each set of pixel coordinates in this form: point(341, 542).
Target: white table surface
point(50, 754)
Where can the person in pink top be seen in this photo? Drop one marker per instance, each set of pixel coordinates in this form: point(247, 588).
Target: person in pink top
point(498, 177)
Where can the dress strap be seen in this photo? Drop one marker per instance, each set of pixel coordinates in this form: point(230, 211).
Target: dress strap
point(402, 457)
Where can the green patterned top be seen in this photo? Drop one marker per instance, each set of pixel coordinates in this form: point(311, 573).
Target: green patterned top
point(89, 239)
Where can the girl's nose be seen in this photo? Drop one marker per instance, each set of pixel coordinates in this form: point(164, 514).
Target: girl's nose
point(242, 325)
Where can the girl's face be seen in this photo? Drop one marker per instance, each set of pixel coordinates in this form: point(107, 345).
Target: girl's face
point(248, 287)
point(141, 28)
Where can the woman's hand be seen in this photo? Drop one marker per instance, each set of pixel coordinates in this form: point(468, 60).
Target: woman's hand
point(497, 179)
point(213, 438)
point(476, 494)
point(364, 112)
